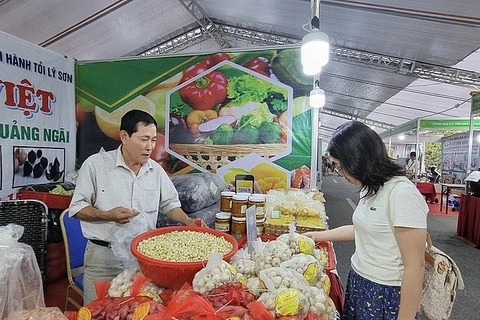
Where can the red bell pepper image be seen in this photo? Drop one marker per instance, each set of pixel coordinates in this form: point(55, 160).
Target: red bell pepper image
point(205, 92)
point(259, 65)
point(203, 65)
point(197, 68)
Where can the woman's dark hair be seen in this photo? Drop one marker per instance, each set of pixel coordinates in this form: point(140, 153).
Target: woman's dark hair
point(133, 118)
point(363, 156)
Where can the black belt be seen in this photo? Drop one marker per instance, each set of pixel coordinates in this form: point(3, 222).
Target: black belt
point(100, 242)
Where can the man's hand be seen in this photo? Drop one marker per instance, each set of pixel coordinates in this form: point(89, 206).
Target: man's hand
point(195, 223)
point(122, 215)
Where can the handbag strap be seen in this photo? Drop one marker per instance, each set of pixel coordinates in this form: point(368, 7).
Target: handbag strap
point(429, 258)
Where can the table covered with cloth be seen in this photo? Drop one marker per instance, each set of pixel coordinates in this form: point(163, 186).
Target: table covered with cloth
point(427, 189)
point(468, 225)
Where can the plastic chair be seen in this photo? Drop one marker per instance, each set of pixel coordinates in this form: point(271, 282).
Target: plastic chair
point(75, 244)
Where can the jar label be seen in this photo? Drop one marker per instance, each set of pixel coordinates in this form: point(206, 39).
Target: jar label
point(225, 227)
point(243, 208)
point(225, 203)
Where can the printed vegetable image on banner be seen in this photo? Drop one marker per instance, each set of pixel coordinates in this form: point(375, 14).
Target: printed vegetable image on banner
point(229, 105)
point(244, 112)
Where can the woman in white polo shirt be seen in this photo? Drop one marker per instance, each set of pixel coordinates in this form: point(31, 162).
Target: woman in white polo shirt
point(389, 229)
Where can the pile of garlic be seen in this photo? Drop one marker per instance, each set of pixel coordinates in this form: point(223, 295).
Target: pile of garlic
point(276, 277)
point(270, 254)
point(306, 265)
point(323, 283)
point(276, 272)
point(255, 286)
point(244, 264)
point(286, 302)
point(215, 273)
point(321, 255)
point(318, 300)
point(121, 285)
point(297, 243)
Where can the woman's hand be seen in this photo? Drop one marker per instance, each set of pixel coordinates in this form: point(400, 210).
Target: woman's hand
point(314, 235)
point(343, 233)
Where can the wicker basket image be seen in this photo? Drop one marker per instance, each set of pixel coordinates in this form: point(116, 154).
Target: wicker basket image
point(212, 157)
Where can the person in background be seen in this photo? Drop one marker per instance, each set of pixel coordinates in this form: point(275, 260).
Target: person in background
point(115, 187)
point(434, 175)
point(412, 162)
point(389, 229)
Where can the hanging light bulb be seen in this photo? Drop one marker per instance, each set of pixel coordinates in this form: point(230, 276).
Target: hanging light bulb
point(317, 98)
point(401, 137)
point(315, 51)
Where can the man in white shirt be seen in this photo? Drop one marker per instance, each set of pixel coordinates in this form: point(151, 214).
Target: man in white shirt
point(117, 186)
point(412, 162)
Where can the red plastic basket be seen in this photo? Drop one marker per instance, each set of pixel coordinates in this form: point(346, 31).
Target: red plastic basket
point(327, 245)
point(53, 201)
point(331, 254)
point(174, 274)
point(265, 237)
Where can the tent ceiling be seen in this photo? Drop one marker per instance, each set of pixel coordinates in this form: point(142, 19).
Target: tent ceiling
point(443, 33)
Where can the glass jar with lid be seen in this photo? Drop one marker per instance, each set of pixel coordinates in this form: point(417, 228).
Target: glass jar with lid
point(239, 205)
point(226, 200)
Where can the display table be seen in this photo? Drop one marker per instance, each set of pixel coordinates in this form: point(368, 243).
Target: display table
point(446, 188)
point(468, 225)
point(427, 189)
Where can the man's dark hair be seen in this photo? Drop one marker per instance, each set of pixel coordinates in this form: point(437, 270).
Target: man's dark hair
point(133, 118)
point(362, 155)
point(413, 154)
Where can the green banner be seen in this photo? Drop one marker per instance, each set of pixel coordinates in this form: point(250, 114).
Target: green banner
point(448, 124)
point(229, 112)
point(476, 104)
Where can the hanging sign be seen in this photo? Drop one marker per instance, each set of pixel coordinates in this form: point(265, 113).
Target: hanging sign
point(37, 116)
point(448, 124)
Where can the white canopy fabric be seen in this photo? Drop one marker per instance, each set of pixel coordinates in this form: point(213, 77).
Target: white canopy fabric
point(357, 86)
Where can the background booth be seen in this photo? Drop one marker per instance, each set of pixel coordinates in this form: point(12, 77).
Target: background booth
point(468, 227)
point(460, 155)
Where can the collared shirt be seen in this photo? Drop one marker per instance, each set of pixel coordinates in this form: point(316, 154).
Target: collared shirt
point(377, 256)
point(105, 182)
point(411, 164)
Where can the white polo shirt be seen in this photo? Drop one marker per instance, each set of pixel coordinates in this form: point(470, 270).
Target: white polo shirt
point(105, 182)
point(377, 256)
